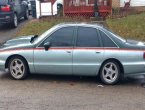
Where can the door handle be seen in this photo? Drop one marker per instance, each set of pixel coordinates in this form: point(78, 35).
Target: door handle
point(98, 52)
point(68, 51)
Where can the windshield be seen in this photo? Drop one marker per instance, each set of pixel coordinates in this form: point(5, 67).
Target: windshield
point(3, 2)
point(45, 34)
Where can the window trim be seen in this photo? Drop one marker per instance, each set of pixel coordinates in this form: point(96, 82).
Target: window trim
point(76, 37)
point(109, 38)
point(39, 44)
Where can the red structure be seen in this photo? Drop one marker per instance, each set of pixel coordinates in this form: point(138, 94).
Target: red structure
point(86, 8)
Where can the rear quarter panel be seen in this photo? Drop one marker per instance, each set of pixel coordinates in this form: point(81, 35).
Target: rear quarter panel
point(132, 60)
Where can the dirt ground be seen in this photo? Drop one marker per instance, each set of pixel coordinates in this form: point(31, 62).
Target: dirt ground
point(46, 92)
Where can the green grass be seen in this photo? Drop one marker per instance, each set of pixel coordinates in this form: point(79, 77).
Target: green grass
point(130, 27)
point(37, 27)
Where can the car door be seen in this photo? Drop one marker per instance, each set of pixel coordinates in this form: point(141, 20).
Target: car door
point(58, 58)
point(87, 54)
point(24, 3)
point(17, 7)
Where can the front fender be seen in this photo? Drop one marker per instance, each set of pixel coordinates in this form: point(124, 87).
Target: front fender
point(25, 53)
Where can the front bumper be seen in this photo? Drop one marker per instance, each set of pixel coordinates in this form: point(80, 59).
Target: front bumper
point(6, 17)
point(2, 65)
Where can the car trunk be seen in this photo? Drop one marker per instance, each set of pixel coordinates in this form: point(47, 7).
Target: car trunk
point(4, 4)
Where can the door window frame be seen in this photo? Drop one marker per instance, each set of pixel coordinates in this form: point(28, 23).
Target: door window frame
point(40, 45)
point(97, 31)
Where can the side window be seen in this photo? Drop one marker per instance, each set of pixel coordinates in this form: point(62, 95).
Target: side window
point(107, 42)
point(16, 2)
point(87, 37)
point(61, 38)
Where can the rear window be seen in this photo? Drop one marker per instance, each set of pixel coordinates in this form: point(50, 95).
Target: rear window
point(3, 2)
point(107, 42)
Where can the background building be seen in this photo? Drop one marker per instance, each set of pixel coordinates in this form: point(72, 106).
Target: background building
point(46, 8)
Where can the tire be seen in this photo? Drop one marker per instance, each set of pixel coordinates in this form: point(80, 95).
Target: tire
point(18, 68)
point(110, 73)
point(26, 16)
point(15, 21)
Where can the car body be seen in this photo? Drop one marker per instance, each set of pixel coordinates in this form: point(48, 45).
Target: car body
point(13, 10)
point(75, 49)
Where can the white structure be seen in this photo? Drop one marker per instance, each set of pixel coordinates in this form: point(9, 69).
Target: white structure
point(133, 3)
point(45, 8)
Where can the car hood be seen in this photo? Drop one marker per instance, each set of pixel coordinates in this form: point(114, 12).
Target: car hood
point(19, 40)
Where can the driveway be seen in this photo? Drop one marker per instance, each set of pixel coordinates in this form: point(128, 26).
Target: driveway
point(7, 32)
point(47, 92)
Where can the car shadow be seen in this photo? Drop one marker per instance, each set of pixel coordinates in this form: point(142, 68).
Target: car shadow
point(73, 79)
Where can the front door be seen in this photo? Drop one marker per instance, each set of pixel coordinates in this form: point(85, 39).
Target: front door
point(58, 58)
point(87, 54)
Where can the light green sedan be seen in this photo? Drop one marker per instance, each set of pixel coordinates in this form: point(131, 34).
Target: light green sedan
point(74, 49)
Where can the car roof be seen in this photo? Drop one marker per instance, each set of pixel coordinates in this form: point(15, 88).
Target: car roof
point(85, 24)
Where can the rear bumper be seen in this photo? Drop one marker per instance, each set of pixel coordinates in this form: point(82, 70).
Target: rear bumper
point(6, 17)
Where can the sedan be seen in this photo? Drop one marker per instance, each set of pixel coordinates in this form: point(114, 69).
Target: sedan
point(74, 49)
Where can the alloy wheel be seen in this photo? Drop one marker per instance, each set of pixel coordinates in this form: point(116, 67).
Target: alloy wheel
point(17, 68)
point(15, 21)
point(110, 73)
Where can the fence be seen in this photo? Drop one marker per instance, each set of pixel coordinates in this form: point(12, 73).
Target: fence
point(87, 8)
point(113, 8)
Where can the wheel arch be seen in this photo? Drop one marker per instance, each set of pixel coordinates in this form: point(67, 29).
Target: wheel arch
point(117, 61)
point(8, 59)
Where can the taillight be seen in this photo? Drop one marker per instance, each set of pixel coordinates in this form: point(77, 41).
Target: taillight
point(5, 8)
point(144, 55)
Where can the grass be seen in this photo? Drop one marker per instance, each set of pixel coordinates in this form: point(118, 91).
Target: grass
point(37, 27)
point(130, 27)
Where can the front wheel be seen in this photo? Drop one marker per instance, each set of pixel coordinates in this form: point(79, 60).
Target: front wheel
point(18, 68)
point(110, 73)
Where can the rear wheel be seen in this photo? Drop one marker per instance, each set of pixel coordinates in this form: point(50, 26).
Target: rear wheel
point(26, 16)
point(15, 21)
point(18, 68)
point(110, 73)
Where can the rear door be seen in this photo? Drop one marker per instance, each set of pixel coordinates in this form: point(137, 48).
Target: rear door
point(87, 54)
point(17, 7)
point(24, 4)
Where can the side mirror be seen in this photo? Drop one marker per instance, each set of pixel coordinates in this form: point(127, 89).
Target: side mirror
point(47, 45)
